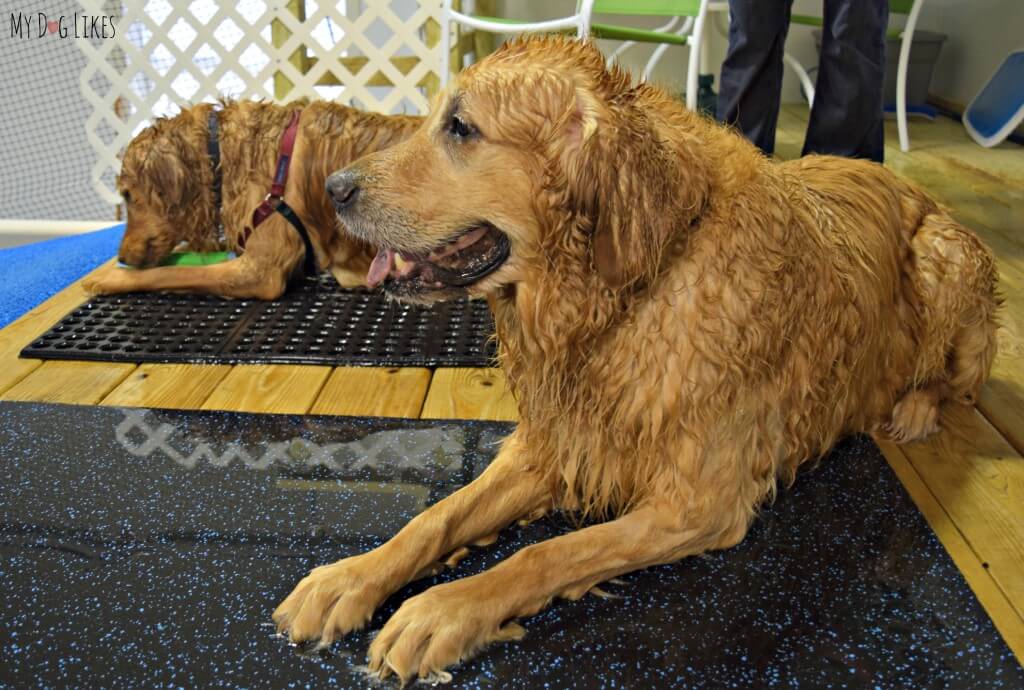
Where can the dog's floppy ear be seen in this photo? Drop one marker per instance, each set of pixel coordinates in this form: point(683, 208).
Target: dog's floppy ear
point(165, 167)
point(628, 181)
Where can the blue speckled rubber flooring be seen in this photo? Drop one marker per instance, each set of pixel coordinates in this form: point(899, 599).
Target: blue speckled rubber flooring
point(148, 548)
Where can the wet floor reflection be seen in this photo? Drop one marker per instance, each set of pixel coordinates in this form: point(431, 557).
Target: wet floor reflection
point(149, 547)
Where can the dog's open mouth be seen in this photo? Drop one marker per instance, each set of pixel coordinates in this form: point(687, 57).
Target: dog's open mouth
point(467, 259)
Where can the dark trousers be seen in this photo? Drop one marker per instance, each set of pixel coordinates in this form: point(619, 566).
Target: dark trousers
point(846, 119)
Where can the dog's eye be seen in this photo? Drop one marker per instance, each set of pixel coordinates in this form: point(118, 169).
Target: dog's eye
point(459, 127)
point(127, 197)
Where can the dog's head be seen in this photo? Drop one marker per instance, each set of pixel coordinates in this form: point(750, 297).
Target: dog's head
point(165, 181)
point(537, 159)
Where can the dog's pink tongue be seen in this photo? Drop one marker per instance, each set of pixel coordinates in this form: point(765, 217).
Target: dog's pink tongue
point(380, 268)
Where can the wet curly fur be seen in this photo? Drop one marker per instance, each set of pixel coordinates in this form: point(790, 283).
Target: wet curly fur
point(167, 180)
point(684, 323)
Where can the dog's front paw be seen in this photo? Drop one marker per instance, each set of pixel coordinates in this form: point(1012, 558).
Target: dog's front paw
point(105, 282)
point(333, 600)
point(437, 629)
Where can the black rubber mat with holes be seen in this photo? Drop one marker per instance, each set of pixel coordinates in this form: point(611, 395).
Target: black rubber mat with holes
point(316, 322)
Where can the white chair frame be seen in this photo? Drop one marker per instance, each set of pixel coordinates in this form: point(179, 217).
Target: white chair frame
point(581, 21)
point(906, 41)
point(694, 42)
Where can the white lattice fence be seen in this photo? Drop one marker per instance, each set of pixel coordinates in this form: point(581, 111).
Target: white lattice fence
point(165, 54)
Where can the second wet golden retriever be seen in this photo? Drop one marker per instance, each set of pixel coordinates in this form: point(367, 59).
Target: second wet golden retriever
point(168, 182)
point(684, 322)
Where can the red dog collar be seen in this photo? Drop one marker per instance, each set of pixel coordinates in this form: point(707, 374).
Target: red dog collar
point(274, 201)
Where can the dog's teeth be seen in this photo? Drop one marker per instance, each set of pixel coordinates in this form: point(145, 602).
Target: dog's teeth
point(403, 266)
point(458, 244)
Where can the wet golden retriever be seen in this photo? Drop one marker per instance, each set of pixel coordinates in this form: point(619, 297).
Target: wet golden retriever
point(684, 323)
point(167, 182)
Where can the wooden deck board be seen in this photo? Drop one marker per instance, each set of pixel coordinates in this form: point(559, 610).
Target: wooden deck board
point(1002, 398)
point(279, 388)
point(178, 386)
point(469, 394)
point(979, 480)
point(373, 392)
point(989, 593)
point(76, 383)
point(18, 370)
point(944, 138)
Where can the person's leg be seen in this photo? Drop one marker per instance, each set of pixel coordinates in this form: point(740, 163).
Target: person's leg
point(752, 71)
point(846, 119)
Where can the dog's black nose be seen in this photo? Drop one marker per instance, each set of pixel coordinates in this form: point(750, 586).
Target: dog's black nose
point(343, 188)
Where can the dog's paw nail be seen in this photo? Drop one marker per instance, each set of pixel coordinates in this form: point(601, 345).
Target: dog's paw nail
point(436, 678)
point(456, 556)
point(510, 632)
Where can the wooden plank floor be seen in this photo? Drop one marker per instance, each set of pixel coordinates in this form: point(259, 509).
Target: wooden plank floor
point(968, 480)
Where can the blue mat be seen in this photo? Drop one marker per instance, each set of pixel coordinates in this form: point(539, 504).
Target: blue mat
point(34, 272)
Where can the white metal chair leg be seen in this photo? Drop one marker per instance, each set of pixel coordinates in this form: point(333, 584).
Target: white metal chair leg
point(801, 73)
point(906, 40)
point(584, 12)
point(614, 57)
point(693, 64)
